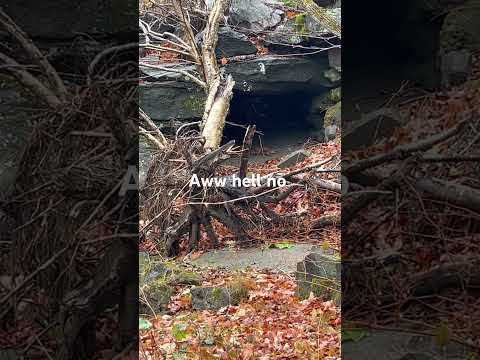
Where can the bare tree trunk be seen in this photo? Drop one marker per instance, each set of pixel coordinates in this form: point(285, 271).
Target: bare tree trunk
point(216, 112)
point(321, 16)
point(219, 90)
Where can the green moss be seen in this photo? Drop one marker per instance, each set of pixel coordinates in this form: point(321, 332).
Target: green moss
point(335, 95)
point(184, 277)
point(194, 104)
point(301, 24)
point(217, 294)
point(333, 115)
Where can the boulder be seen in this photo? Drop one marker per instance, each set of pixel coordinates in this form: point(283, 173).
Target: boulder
point(461, 28)
point(255, 14)
point(333, 115)
point(333, 75)
point(301, 28)
point(335, 58)
point(157, 281)
point(274, 75)
point(214, 298)
point(289, 32)
point(319, 274)
point(330, 132)
point(232, 43)
point(155, 293)
point(293, 159)
point(321, 103)
point(372, 127)
point(456, 67)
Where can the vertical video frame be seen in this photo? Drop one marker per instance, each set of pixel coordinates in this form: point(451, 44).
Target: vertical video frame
point(240, 122)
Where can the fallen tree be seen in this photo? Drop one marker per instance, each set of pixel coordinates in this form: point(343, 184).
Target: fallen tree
point(178, 205)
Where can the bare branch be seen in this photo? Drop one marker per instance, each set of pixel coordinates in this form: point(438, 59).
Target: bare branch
point(31, 82)
point(36, 55)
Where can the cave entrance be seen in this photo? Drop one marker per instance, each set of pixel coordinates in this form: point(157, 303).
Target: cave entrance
point(283, 119)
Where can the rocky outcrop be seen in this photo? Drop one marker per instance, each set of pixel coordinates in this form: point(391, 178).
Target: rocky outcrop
point(214, 298)
point(456, 67)
point(232, 43)
point(254, 14)
point(461, 28)
point(164, 101)
point(325, 111)
point(459, 37)
point(157, 281)
point(268, 75)
point(333, 115)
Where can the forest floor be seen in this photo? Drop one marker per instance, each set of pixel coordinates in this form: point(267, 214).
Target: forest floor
point(423, 230)
point(272, 322)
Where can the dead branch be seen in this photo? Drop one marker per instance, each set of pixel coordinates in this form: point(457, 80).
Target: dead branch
point(190, 36)
point(210, 39)
point(35, 54)
point(404, 151)
point(151, 131)
point(31, 82)
point(456, 194)
point(247, 144)
point(328, 185)
point(326, 221)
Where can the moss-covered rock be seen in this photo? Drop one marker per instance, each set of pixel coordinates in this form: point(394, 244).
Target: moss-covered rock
point(333, 115)
point(322, 102)
point(214, 298)
point(319, 274)
point(184, 277)
point(157, 280)
point(461, 28)
point(155, 297)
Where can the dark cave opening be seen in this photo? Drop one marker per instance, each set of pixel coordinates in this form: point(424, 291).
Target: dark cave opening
point(283, 119)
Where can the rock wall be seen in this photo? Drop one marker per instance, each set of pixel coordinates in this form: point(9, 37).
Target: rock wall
point(164, 100)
